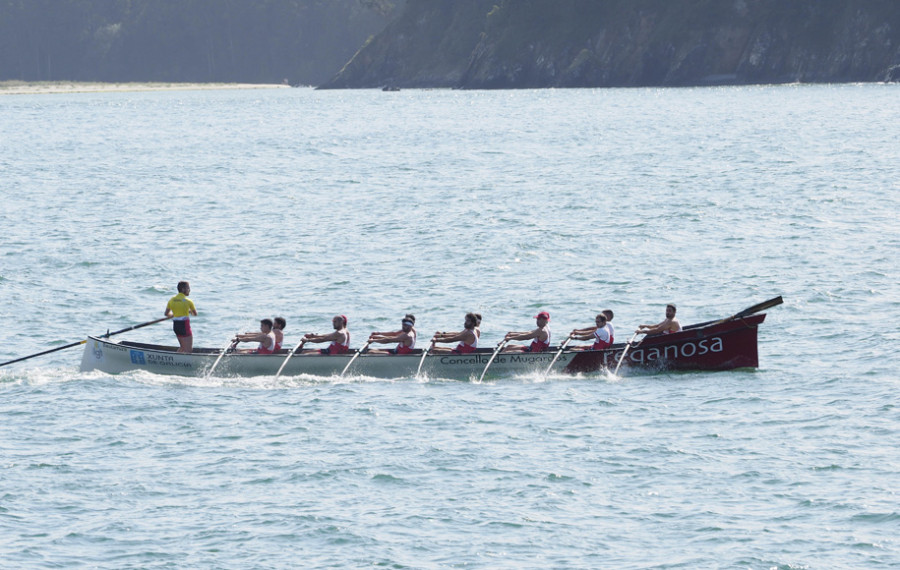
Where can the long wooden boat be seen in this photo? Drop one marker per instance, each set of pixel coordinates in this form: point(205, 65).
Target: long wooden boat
point(715, 345)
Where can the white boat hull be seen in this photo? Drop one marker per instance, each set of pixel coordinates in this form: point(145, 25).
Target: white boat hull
point(117, 357)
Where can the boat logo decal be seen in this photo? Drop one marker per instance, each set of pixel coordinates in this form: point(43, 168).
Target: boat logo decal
point(683, 350)
point(137, 357)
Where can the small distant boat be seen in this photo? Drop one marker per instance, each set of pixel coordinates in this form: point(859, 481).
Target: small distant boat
point(390, 88)
point(715, 345)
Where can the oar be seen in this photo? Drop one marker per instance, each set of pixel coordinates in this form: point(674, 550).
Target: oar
point(424, 354)
point(290, 354)
point(560, 351)
point(491, 359)
point(107, 335)
point(746, 312)
point(757, 308)
point(221, 354)
point(358, 352)
point(624, 352)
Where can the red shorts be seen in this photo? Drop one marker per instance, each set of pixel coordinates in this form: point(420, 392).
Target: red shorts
point(464, 349)
point(182, 328)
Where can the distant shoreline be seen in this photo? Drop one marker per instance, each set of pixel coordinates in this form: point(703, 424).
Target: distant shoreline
point(54, 87)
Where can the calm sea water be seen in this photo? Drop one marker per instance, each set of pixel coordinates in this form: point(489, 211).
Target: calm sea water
point(308, 204)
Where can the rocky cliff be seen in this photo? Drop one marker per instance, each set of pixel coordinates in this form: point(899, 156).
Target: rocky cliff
point(480, 44)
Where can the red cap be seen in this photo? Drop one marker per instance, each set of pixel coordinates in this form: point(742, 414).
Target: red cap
point(543, 314)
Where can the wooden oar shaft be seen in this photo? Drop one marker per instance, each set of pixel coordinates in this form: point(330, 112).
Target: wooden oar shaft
point(358, 352)
point(107, 335)
point(422, 360)
point(288, 357)
point(45, 352)
point(759, 307)
point(624, 352)
point(562, 347)
point(774, 302)
point(222, 354)
point(491, 359)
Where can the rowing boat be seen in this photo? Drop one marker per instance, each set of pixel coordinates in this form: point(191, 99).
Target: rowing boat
point(715, 345)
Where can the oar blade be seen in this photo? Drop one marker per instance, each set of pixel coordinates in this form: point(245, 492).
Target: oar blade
point(774, 302)
point(58, 348)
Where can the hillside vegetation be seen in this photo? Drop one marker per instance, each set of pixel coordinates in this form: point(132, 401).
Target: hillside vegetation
point(604, 43)
point(251, 41)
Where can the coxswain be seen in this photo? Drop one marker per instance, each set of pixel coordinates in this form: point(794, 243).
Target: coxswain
point(540, 336)
point(180, 308)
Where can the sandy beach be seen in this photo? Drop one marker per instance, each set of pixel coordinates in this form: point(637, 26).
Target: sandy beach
point(51, 87)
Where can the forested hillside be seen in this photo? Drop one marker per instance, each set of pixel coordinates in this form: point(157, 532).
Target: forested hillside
point(452, 43)
point(604, 43)
point(255, 41)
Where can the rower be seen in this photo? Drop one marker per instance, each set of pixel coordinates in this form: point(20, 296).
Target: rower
point(339, 339)
point(599, 334)
point(405, 338)
point(265, 337)
point(467, 339)
point(540, 336)
point(612, 331)
point(278, 328)
point(668, 326)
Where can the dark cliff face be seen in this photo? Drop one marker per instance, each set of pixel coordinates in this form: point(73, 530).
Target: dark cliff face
point(428, 45)
point(267, 41)
point(604, 43)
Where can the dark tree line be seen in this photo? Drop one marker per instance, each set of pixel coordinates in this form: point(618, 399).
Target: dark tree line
point(254, 41)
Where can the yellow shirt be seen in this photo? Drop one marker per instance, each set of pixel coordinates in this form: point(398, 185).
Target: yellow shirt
point(180, 306)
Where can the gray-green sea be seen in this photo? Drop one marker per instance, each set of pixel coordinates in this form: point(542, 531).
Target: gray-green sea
point(307, 204)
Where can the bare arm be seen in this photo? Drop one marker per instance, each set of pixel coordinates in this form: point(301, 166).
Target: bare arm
point(252, 337)
point(527, 335)
point(388, 338)
point(462, 336)
point(655, 329)
point(319, 338)
point(585, 334)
